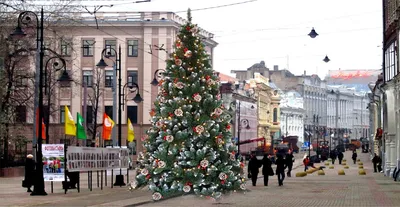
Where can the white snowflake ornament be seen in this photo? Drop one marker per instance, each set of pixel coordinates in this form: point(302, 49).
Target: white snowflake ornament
point(204, 163)
point(199, 129)
point(186, 188)
point(197, 97)
point(144, 172)
point(169, 138)
point(188, 54)
point(161, 164)
point(179, 85)
point(223, 176)
point(156, 196)
point(178, 112)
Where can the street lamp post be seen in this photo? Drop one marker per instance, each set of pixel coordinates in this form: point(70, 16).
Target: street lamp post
point(119, 179)
point(24, 18)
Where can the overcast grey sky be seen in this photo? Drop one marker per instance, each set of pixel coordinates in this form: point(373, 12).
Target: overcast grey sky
point(276, 32)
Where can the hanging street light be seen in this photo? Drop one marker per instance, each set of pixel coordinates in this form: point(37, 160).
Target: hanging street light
point(313, 34)
point(326, 59)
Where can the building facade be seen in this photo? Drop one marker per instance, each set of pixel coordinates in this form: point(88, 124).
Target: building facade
point(146, 40)
point(391, 89)
point(292, 115)
point(348, 114)
point(268, 100)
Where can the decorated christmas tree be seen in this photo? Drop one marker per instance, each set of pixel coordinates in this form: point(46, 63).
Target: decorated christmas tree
point(188, 149)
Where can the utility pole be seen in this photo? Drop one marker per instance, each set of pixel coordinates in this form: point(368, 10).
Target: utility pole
point(337, 116)
point(317, 117)
point(286, 117)
point(361, 124)
point(239, 128)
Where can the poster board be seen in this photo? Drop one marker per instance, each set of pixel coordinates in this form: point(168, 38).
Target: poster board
point(92, 159)
point(53, 162)
point(123, 161)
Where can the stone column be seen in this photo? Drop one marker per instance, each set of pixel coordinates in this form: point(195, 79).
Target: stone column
point(393, 152)
point(387, 155)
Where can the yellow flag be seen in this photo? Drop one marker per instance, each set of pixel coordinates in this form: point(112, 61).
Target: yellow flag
point(131, 133)
point(70, 127)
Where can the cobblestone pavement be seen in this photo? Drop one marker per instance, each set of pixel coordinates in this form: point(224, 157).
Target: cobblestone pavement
point(331, 189)
point(12, 194)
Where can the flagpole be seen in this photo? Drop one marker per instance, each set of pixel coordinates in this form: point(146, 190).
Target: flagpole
point(84, 110)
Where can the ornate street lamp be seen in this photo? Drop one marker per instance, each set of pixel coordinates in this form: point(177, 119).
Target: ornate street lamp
point(119, 179)
point(25, 18)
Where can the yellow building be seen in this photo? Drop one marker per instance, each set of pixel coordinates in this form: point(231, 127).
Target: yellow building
point(268, 108)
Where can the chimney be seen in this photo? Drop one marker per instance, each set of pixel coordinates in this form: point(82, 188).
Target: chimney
point(276, 68)
point(305, 72)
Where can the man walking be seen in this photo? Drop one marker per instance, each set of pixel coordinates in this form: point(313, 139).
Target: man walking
point(289, 163)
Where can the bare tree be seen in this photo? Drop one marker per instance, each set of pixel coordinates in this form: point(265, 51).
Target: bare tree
point(94, 98)
point(17, 77)
point(15, 95)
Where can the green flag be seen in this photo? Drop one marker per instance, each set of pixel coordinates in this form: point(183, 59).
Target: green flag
point(80, 129)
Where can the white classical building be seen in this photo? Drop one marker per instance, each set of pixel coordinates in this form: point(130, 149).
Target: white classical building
point(292, 114)
point(347, 113)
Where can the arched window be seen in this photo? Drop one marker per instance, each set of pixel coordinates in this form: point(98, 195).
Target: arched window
point(275, 115)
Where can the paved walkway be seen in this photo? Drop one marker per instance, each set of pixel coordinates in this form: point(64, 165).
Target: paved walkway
point(12, 194)
point(331, 189)
point(351, 189)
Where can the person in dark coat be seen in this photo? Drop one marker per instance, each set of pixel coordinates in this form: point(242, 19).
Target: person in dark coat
point(253, 169)
point(377, 161)
point(267, 169)
point(289, 163)
point(354, 156)
point(280, 169)
point(29, 173)
point(340, 157)
point(333, 156)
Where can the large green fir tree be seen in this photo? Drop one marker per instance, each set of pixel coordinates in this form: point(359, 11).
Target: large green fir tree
point(188, 149)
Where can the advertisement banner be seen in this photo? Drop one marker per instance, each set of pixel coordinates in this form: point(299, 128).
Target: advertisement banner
point(53, 162)
point(124, 160)
point(92, 159)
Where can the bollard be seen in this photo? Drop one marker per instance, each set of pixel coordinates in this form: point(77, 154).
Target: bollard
point(301, 174)
point(331, 167)
point(341, 172)
point(362, 172)
point(321, 172)
point(346, 167)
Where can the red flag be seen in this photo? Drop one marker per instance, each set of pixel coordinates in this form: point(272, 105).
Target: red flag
point(37, 126)
point(108, 124)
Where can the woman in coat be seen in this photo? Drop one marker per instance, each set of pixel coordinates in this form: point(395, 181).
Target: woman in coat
point(29, 172)
point(253, 169)
point(267, 169)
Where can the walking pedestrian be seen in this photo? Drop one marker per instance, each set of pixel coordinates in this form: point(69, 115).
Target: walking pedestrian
point(289, 163)
point(253, 169)
point(29, 173)
point(354, 156)
point(267, 169)
point(340, 157)
point(280, 169)
point(333, 156)
point(376, 161)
